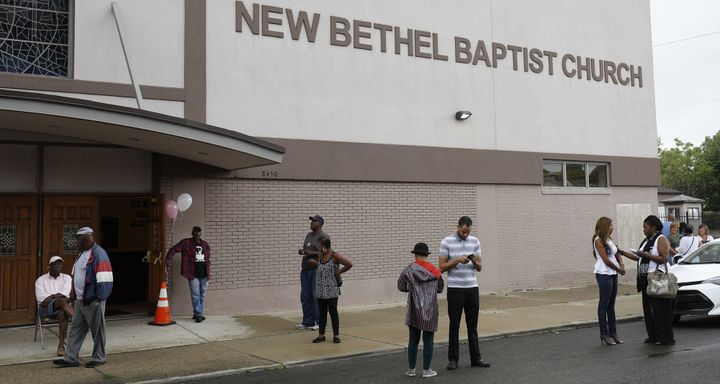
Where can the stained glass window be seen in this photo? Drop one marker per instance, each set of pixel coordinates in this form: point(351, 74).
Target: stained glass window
point(8, 240)
point(34, 37)
point(69, 238)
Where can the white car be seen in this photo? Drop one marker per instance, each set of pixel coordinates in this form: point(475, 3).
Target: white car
point(698, 276)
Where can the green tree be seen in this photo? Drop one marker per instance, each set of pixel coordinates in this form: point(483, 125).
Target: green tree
point(695, 171)
point(711, 157)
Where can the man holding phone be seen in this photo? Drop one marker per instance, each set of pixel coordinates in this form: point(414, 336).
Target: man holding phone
point(459, 256)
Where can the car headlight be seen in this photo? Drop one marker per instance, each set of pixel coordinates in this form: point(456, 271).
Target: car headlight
point(714, 280)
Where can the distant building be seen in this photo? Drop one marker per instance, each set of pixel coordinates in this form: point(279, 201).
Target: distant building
point(685, 208)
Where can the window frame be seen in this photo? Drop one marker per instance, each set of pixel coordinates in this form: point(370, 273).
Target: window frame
point(587, 189)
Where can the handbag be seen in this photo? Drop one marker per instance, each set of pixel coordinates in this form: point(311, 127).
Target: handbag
point(338, 278)
point(661, 285)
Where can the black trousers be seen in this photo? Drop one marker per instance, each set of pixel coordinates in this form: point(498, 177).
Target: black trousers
point(467, 300)
point(329, 305)
point(658, 315)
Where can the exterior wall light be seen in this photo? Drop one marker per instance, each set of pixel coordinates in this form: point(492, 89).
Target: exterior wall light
point(462, 115)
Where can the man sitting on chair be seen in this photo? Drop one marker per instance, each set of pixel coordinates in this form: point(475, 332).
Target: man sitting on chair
point(52, 291)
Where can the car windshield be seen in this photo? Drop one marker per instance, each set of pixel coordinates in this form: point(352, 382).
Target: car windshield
point(707, 254)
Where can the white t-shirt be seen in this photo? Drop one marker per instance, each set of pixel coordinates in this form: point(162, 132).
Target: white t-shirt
point(688, 244)
point(600, 266)
point(79, 274)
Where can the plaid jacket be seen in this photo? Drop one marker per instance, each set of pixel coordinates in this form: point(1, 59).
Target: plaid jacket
point(186, 247)
point(422, 304)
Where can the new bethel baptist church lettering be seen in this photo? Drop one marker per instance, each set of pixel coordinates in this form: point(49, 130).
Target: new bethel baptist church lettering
point(267, 20)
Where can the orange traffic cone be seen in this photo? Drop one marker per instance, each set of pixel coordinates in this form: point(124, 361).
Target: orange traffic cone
point(162, 311)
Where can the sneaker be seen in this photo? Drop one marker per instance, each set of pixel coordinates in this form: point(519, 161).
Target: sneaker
point(300, 326)
point(410, 372)
point(429, 373)
point(314, 327)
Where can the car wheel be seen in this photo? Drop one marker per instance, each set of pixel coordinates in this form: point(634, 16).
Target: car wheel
point(676, 319)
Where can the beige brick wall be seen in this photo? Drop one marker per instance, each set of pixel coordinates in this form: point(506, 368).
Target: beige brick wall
point(546, 240)
point(256, 226)
point(530, 240)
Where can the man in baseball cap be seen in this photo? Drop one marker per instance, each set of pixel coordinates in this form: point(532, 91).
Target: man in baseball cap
point(309, 252)
point(92, 283)
point(52, 291)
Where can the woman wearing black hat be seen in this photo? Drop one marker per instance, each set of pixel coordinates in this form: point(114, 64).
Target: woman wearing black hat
point(422, 281)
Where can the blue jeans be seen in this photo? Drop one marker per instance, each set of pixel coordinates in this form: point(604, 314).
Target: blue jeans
point(198, 287)
point(413, 347)
point(311, 313)
point(608, 286)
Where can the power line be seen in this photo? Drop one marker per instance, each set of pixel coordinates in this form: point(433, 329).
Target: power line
point(690, 104)
point(687, 38)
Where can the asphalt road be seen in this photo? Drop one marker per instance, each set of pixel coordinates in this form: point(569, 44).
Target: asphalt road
point(573, 356)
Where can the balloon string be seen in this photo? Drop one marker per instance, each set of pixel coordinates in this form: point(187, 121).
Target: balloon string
point(172, 231)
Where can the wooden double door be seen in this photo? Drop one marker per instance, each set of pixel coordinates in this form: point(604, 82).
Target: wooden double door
point(35, 228)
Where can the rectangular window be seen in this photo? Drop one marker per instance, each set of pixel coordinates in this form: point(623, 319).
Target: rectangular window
point(8, 240)
point(573, 175)
point(597, 175)
point(553, 174)
point(34, 36)
point(693, 213)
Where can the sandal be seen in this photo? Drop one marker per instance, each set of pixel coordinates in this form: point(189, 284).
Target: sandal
point(319, 339)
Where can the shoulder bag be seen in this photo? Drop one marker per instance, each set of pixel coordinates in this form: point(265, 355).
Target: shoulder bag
point(338, 278)
point(661, 285)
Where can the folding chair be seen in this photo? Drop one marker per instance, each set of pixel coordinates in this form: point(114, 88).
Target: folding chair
point(40, 323)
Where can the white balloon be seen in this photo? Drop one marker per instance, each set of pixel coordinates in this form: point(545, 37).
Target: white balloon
point(184, 201)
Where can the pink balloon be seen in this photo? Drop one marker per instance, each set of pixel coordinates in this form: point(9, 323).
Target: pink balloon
point(171, 209)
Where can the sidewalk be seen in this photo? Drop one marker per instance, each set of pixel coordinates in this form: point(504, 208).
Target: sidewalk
point(138, 352)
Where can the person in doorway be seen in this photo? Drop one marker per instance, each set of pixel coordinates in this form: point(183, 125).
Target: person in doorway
point(92, 284)
point(422, 281)
point(653, 255)
point(195, 267)
point(327, 286)
point(52, 291)
point(607, 267)
point(308, 274)
point(459, 256)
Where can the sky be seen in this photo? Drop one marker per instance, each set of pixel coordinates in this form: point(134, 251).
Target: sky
point(686, 56)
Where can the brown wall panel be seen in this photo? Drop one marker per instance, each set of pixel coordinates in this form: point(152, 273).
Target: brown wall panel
point(324, 160)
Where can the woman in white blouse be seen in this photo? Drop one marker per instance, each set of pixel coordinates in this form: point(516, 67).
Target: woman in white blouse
point(688, 243)
point(703, 235)
point(607, 267)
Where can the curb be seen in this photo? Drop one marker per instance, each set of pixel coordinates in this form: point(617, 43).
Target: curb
point(210, 375)
point(553, 329)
